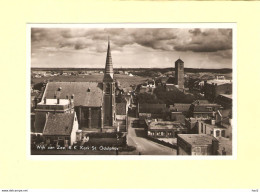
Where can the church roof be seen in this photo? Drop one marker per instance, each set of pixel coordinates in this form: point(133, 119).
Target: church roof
point(85, 93)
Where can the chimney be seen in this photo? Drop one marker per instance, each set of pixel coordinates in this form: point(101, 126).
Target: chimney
point(213, 121)
point(45, 100)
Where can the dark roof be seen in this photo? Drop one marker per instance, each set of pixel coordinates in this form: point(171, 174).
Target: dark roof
point(121, 108)
point(59, 124)
point(181, 107)
point(197, 139)
point(206, 107)
point(198, 102)
point(170, 80)
point(93, 98)
point(152, 108)
point(40, 118)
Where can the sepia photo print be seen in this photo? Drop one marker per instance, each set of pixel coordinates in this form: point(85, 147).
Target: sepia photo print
point(132, 89)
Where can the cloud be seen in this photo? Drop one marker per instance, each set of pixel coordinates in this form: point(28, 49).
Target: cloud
point(155, 39)
point(209, 40)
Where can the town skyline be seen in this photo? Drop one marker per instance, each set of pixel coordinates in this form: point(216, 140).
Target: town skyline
point(131, 48)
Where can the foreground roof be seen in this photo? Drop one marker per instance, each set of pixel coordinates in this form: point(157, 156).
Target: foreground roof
point(59, 124)
point(197, 139)
point(85, 93)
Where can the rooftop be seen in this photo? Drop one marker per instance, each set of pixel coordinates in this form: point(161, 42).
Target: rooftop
point(59, 124)
point(219, 81)
point(181, 107)
point(226, 95)
point(54, 102)
point(85, 93)
point(197, 139)
point(152, 108)
point(165, 125)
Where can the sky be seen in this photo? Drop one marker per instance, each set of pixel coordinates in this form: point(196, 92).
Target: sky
point(131, 47)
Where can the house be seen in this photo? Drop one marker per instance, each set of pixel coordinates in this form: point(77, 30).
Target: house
point(50, 106)
point(203, 109)
point(121, 116)
point(219, 125)
point(213, 88)
point(164, 129)
point(146, 110)
point(225, 100)
point(197, 144)
point(60, 129)
point(179, 111)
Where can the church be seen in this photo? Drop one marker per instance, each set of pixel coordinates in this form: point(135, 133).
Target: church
point(93, 102)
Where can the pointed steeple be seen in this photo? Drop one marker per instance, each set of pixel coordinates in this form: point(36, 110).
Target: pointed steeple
point(109, 65)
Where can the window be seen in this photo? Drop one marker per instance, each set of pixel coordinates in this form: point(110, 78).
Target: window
point(201, 128)
point(223, 133)
point(217, 133)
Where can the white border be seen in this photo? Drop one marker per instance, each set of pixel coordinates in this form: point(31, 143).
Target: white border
point(132, 157)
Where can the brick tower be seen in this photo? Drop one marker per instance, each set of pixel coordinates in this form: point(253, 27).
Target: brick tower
point(108, 92)
point(179, 73)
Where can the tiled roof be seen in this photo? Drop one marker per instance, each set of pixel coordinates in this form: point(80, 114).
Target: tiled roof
point(59, 124)
point(181, 107)
point(121, 108)
point(197, 139)
point(93, 98)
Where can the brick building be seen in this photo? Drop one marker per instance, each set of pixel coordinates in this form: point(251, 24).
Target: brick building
point(197, 144)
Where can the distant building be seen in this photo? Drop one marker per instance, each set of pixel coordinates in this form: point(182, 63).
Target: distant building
point(219, 125)
point(203, 109)
point(151, 111)
point(164, 129)
point(225, 100)
point(179, 111)
point(179, 73)
point(197, 144)
point(213, 88)
point(61, 129)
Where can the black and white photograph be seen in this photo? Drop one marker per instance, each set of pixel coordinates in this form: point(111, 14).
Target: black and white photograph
point(131, 89)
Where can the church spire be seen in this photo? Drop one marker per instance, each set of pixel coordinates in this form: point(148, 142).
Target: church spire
point(109, 65)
